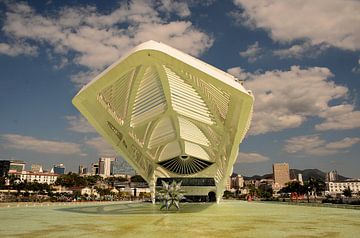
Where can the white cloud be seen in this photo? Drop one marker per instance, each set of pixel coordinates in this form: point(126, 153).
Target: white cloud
point(102, 147)
point(301, 50)
point(178, 7)
point(83, 77)
point(247, 158)
point(239, 73)
point(79, 124)
point(286, 99)
point(340, 117)
point(41, 146)
point(343, 144)
point(252, 53)
point(336, 22)
point(315, 146)
point(18, 48)
point(96, 39)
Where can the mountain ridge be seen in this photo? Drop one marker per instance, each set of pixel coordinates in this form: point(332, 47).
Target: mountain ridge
point(306, 174)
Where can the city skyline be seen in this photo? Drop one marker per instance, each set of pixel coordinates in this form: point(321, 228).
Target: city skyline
point(305, 81)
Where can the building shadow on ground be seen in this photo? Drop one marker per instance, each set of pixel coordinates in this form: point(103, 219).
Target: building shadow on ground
point(136, 208)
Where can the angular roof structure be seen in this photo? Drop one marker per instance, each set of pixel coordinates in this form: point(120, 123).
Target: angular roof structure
point(169, 114)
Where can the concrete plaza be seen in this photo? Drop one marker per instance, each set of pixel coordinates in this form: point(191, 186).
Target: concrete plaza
point(228, 219)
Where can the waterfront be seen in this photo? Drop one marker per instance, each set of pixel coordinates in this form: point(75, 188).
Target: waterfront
point(228, 219)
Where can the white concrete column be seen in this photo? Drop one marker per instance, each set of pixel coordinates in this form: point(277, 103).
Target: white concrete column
point(220, 188)
point(152, 186)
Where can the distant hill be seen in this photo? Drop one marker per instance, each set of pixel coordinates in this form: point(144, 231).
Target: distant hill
point(306, 174)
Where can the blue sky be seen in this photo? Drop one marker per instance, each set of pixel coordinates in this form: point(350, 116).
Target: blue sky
point(300, 58)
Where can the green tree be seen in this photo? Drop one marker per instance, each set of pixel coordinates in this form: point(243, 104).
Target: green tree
point(252, 189)
point(314, 186)
point(92, 180)
point(112, 180)
point(264, 191)
point(2, 181)
point(347, 192)
point(294, 187)
point(103, 191)
point(228, 194)
point(71, 180)
point(76, 194)
point(19, 186)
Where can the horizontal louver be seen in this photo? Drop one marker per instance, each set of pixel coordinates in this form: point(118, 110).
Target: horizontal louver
point(150, 100)
point(185, 100)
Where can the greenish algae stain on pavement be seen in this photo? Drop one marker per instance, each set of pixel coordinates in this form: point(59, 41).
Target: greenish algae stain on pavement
point(228, 219)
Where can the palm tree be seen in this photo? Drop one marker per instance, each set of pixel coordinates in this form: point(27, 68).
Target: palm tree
point(171, 194)
point(313, 186)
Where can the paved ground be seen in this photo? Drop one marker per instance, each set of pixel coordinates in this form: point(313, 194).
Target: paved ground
point(228, 219)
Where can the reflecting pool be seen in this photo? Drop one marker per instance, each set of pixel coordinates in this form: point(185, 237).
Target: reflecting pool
point(227, 219)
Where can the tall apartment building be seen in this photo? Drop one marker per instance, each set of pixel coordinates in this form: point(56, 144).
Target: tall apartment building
point(82, 170)
point(105, 166)
point(281, 174)
point(59, 169)
point(300, 179)
point(237, 181)
point(331, 176)
point(94, 168)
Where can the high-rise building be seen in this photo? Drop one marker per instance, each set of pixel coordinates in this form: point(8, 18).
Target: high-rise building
point(300, 179)
point(237, 181)
point(82, 170)
point(281, 174)
point(59, 169)
point(94, 168)
point(37, 168)
point(105, 166)
point(332, 176)
point(228, 184)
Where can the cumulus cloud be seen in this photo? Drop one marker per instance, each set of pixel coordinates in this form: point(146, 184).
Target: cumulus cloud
point(38, 145)
point(335, 23)
point(286, 99)
point(301, 50)
point(339, 117)
point(315, 146)
point(252, 53)
point(79, 124)
point(239, 73)
point(247, 158)
point(102, 147)
point(83, 77)
point(173, 6)
point(97, 39)
point(18, 48)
